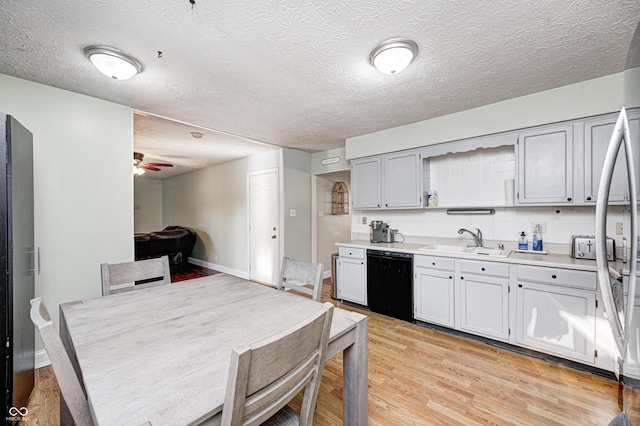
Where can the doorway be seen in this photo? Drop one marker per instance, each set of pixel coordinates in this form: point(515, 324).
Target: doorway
point(330, 228)
point(264, 234)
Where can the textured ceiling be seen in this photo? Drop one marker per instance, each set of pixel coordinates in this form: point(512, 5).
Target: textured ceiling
point(296, 74)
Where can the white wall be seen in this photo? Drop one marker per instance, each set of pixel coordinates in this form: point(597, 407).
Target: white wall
point(592, 97)
point(505, 226)
point(297, 196)
point(147, 201)
point(331, 228)
point(338, 154)
point(213, 202)
point(83, 183)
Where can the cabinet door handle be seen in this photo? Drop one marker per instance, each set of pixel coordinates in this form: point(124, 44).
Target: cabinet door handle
point(482, 269)
point(569, 199)
point(450, 277)
point(520, 285)
point(462, 278)
point(433, 263)
point(553, 276)
point(588, 198)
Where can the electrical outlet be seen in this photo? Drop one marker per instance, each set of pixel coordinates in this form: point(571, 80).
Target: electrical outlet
point(292, 212)
point(364, 220)
point(543, 227)
point(618, 228)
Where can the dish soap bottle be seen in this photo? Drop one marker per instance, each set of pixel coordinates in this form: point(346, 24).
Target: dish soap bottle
point(537, 239)
point(523, 243)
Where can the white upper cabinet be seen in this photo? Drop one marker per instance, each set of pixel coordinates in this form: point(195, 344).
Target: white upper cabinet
point(366, 183)
point(557, 164)
point(387, 181)
point(402, 178)
point(545, 165)
point(597, 134)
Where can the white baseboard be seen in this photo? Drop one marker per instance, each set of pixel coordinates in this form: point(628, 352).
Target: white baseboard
point(226, 270)
point(327, 274)
point(42, 359)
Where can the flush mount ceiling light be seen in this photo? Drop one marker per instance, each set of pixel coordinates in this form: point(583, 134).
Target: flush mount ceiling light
point(112, 63)
point(393, 55)
point(196, 135)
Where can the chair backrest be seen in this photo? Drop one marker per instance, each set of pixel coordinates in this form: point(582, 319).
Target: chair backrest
point(65, 374)
point(129, 272)
point(264, 377)
point(298, 275)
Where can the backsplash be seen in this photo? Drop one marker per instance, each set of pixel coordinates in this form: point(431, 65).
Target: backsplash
point(469, 179)
point(504, 226)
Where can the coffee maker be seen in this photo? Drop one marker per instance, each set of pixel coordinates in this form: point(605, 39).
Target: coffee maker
point(378, 231)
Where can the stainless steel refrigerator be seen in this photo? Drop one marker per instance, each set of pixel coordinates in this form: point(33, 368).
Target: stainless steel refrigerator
point(18, 264)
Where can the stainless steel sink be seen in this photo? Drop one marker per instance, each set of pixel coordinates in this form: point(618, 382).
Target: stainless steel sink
point(480, 251)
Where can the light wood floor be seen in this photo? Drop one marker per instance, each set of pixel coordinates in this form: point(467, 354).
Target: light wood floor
point(419, 376)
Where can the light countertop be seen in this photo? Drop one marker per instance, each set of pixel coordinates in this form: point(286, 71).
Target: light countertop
point(551, 260)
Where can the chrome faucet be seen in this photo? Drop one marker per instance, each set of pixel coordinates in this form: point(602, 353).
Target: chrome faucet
point(476, 236)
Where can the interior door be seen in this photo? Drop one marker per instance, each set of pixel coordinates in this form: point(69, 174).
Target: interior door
point(264, 258)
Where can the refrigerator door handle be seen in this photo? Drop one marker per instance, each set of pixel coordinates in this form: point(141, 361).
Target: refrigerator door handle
point(620, 136)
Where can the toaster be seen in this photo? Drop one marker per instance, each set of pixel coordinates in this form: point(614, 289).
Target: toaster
point(584, 247)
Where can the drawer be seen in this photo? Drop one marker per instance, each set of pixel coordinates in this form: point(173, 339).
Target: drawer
point(558, 276)
point(353, 253)
point(434, 262)
point(484, 268)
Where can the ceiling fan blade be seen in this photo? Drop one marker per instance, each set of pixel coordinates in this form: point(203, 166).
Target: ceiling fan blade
point(148, 167)
point(137, 157)
point(160, 164)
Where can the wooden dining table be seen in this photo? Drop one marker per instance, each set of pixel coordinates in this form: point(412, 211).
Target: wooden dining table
point(162, 354)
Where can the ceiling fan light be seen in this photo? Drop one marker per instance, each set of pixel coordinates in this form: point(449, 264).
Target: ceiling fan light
point(393, 55)
point(138, 171)
point(112, 62)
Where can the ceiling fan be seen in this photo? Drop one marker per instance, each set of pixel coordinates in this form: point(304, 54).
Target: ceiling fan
point(139, 167)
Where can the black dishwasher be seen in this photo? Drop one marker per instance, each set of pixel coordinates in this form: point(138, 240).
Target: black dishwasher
point(390, 283)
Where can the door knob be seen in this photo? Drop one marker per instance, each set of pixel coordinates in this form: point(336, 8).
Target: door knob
point(273, 237)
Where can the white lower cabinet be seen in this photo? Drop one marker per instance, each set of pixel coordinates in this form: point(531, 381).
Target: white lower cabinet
point(433, 290)
point(352, 275)
point(550, 310)
point(632, 364)
point(556, 319)
point(484, 306)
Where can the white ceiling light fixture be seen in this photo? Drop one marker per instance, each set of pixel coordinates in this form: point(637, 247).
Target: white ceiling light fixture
point(112, 62)
point(393, 55)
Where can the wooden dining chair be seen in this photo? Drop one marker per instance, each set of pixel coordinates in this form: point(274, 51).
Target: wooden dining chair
point(265, 376)
point(66, 377)
point(115, 274)
point(301, 276)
